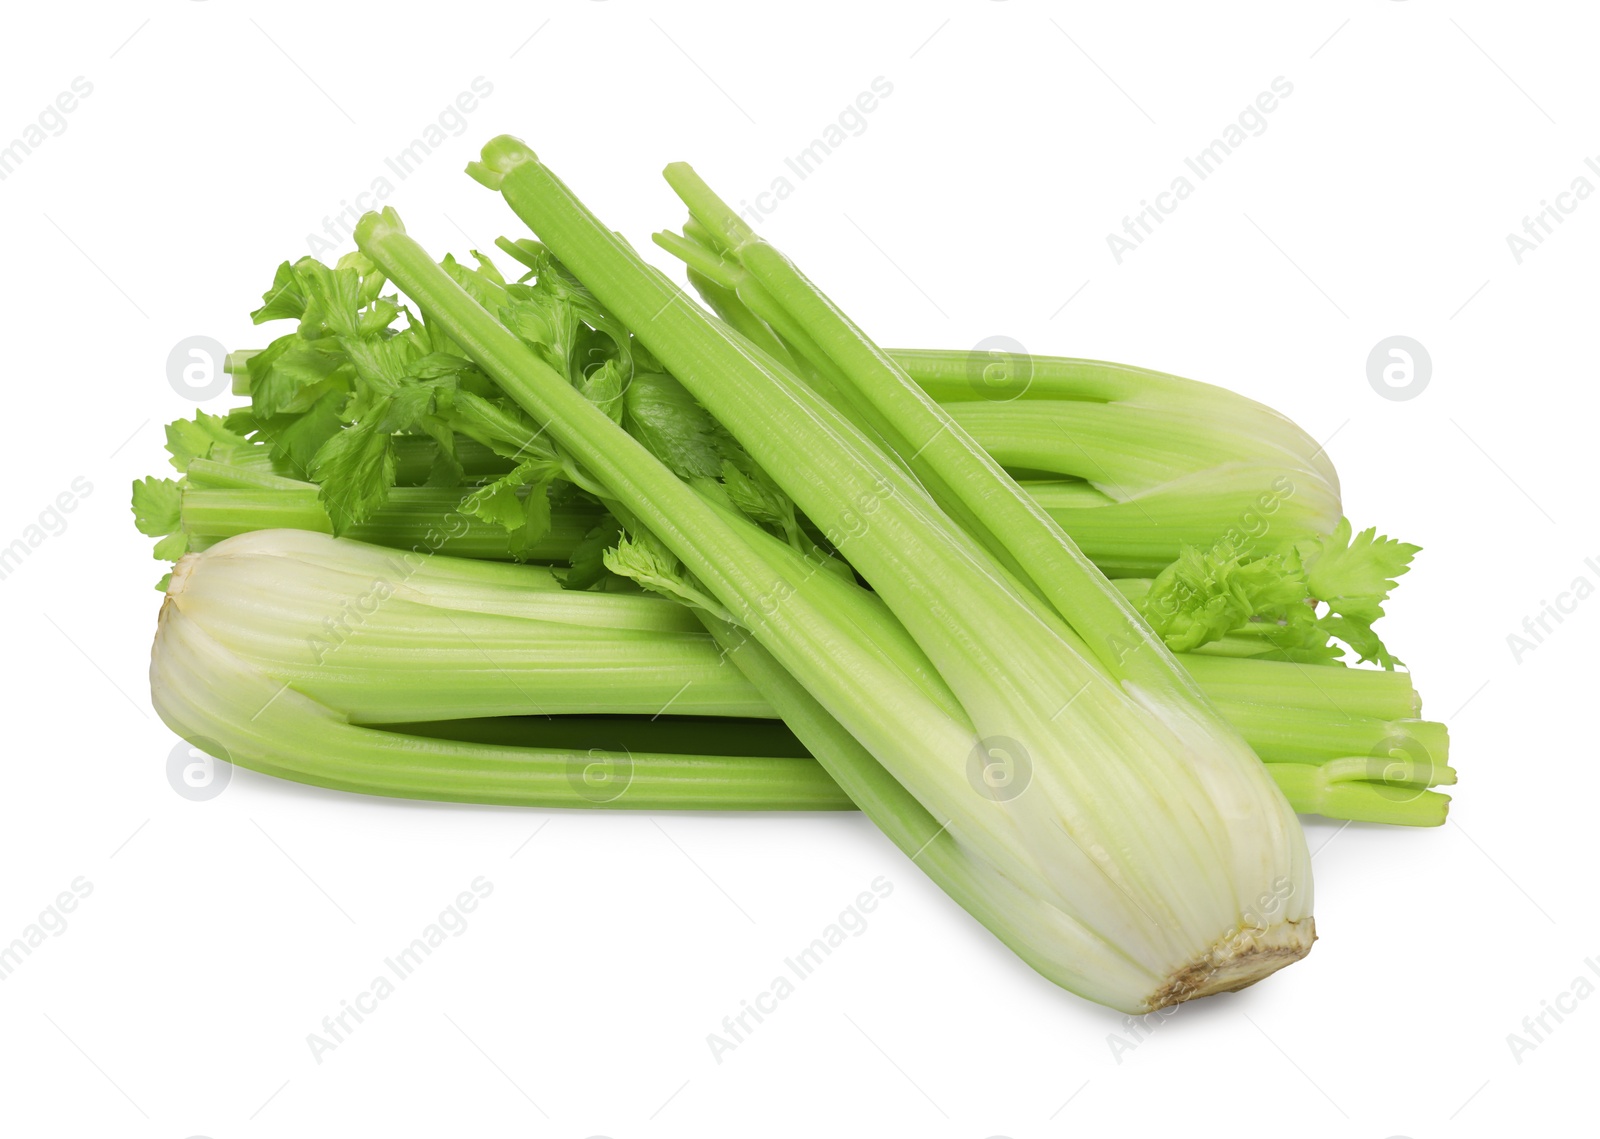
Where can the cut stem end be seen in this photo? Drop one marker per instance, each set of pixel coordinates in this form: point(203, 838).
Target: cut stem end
point(1239, 959)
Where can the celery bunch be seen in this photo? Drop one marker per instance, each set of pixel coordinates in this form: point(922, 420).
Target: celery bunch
point(909, 574)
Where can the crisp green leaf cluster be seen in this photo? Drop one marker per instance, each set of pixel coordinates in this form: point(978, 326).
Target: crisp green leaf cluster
point(1353, 578)
point(331, 400)
point(1297, 601)
point(359, 370)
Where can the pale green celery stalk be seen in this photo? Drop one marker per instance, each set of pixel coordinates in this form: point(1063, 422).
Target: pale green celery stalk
point(725, 302)
point(1340, 792)
point(247, 472)
point(1350, 691)
point(1122, 538)
point(424, 518)
point(457, 637)
point(1238, 646)
point(230, 708)
point(1179, 462)
point(1264, 435)
point(454, 639)
point(1140, 534)
point(1281, 734)
point(235, 712)
point(385, 638)
point(1151, 462)
point(1346, 788)
point(1178, 812)
point(237, 365)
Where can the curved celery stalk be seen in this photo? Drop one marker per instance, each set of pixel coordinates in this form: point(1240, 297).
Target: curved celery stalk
point(1144, 462)
point(411, 644)
point(387, 636)
point(1348, 788)
point(1126, 538)
point(1314, 688)
point(1340, 793)
point(232, 709)
point(1208, 424)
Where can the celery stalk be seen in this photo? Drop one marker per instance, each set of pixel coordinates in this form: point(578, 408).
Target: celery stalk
point(1141, 462)
point(479, 657)
point(429, 519)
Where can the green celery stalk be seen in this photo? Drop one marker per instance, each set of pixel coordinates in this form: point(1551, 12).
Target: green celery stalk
point(1121, 538)
point(234, 711)
point(450, 649)
point(1142, 462)
point(421, 518)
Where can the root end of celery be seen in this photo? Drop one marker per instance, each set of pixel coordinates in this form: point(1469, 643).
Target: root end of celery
point(1239, 959)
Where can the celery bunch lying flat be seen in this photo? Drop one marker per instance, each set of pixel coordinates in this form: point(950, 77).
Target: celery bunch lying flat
point(861, 544)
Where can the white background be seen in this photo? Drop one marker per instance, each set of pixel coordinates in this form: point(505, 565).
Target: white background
point(976, 203)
